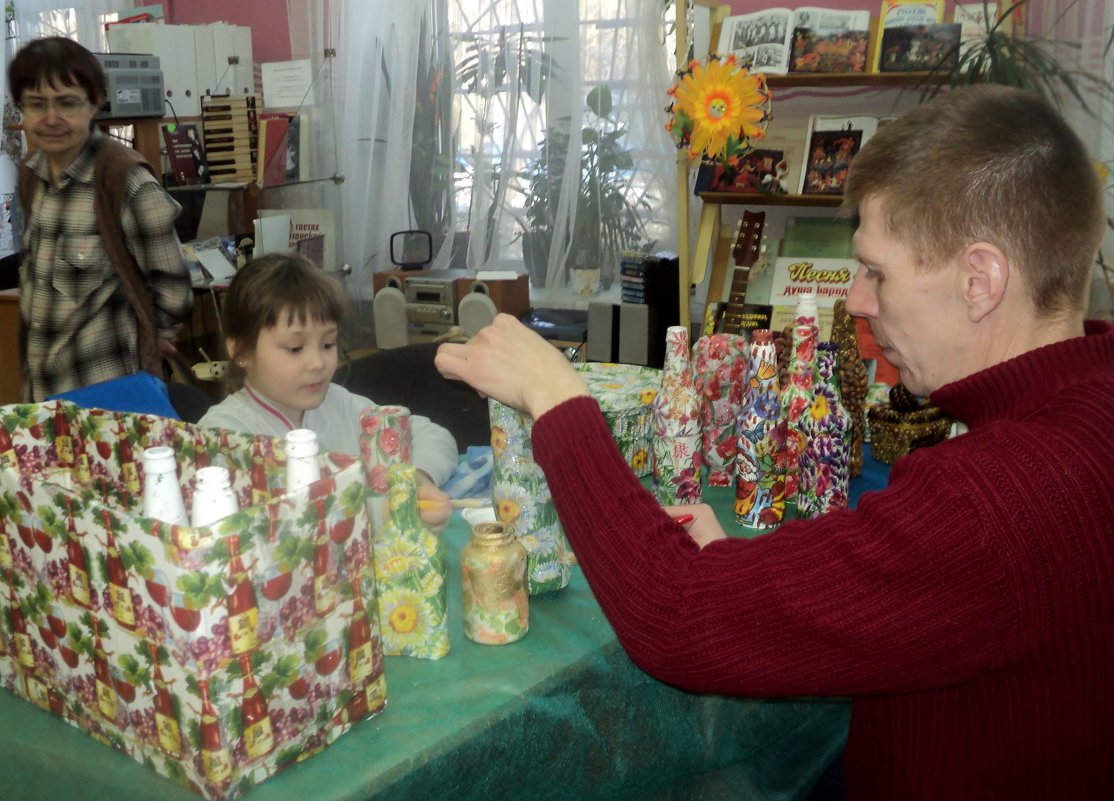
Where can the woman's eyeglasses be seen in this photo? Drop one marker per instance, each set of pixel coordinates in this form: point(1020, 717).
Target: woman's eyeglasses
point(65, 107)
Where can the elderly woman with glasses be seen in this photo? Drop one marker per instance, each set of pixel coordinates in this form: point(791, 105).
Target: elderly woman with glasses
point(104, 286)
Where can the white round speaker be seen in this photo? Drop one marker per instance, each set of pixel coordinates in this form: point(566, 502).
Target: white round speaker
point(475, 311)
point(389, 313)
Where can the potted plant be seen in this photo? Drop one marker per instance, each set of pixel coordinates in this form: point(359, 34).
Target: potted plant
point(604, 219)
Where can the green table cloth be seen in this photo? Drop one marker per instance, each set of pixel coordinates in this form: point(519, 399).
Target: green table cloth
point(560, 714)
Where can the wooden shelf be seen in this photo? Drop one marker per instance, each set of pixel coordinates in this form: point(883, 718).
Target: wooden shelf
point(763, 199)
point(801, 80)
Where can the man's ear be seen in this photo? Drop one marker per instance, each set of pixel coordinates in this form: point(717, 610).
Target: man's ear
point(986, 274)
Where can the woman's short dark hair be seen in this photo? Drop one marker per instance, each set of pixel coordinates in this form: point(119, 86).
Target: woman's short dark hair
point(56, 62)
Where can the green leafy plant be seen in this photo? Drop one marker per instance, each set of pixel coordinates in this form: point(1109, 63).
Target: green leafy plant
point(605, 219)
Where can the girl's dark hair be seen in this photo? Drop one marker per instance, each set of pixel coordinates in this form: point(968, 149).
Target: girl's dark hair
point(270, 286)
point(56, 62)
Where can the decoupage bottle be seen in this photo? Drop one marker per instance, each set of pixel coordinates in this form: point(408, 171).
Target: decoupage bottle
point(761, 459)
point(825, 466)
point(213, 498)
point(676, 425)
point(796, 396)
point(410, 575)
point(719, 361)
point(493, 586)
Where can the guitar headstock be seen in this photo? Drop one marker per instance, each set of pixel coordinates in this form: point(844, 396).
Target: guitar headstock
point(748, 238)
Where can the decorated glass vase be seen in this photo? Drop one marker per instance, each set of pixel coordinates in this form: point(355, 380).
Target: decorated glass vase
point(384, 441)
point(796, 396)
point(410, 575)
point(523, 502)
point(719, 364)
point(761, 461)
point(676, 425)
point(825, 465)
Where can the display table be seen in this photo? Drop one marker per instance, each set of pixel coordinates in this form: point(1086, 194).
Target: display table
point(561, 714)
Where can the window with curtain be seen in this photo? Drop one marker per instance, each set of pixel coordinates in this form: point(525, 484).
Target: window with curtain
point(523, 134)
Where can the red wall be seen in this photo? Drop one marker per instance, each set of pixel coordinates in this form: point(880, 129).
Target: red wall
point(270, 28)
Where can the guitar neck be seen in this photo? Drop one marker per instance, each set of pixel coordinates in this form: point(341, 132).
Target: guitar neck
point(746, 251)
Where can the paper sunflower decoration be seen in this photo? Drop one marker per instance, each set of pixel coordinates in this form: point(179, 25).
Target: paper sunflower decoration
point(719, 109)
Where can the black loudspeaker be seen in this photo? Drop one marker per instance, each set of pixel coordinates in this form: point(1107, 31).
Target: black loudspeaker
point(603, 331)
point(635, 334)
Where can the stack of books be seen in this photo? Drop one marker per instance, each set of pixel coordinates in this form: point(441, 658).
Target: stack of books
point(632, 276)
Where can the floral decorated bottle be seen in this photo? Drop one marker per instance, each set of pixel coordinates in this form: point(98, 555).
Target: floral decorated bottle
point(796, 396)
point(259, 732)
point(216, 761)
point(825, 466)
point(166, 716)
point(761, 459)
point(719, 361)
point(243, 610)
point(410, 575)
point(676, 425)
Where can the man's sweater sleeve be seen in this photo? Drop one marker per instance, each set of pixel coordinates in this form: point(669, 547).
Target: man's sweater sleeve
point(899, 595)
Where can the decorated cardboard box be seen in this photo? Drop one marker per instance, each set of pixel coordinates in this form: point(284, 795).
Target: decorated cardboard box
point(217, 655)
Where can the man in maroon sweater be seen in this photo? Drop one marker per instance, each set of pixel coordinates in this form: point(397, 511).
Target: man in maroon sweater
point(969, 607)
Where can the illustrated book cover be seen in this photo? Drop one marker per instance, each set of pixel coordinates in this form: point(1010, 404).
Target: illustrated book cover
point(765, 38)
point(906, 14)
point(831, 143)
point(831, 50)
point(919, 48)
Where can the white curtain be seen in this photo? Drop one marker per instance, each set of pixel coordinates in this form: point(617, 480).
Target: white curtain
point(442, 109)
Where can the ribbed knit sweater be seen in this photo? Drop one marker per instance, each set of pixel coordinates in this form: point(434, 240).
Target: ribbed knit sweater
point(968, 607)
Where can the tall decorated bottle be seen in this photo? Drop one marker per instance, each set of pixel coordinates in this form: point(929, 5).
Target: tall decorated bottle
point(796, 396)
point(216, 761)
point(675, 416)
point(410, 575)
point(826, 464)
point(259, 732)
point(719, 362)
point(761, 459)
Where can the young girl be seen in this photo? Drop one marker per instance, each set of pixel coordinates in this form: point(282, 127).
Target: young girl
point(281, 317)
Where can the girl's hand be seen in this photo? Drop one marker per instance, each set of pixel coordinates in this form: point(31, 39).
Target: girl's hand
point(704, 527)
point(434, 515)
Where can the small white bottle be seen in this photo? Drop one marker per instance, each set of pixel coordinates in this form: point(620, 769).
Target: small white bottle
point(213, 498)
point(162, 496)
point(302, 468)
